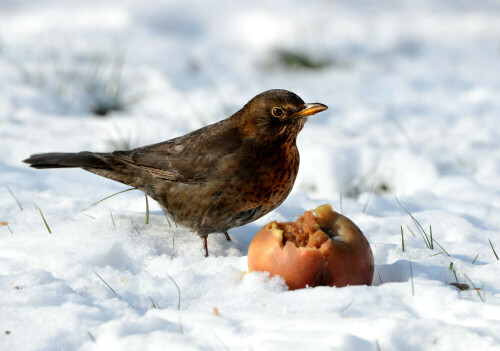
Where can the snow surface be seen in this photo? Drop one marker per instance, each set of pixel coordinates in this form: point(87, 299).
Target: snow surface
point(413, 89)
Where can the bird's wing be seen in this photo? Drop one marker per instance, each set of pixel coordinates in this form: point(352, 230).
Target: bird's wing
point(186, 159)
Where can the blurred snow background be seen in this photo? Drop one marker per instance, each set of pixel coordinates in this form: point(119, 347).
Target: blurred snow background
point(413, 90)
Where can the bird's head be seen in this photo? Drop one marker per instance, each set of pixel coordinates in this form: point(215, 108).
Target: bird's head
point(277, 113)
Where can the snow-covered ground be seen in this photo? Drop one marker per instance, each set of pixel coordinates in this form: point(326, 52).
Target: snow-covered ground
point(413, 89)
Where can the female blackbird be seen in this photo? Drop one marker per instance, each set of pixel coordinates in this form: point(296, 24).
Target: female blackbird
point(218, 177)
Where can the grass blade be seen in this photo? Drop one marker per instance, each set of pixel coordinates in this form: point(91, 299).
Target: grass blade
point(170, 225)
point(133, 226)
point(417, 224)
point(178, 303)
point(402, 239)
point(91, 336)
point(44, 221)
point(475, 258)
point(452, 268)
point(432, 241)
point(439, 253)
point(411, 231)
point(7, 225)
point(493, 248)
point(95, 203)
point(442, 248)
point(154, 304)
point(347, 306)
point(147, 210)
point(109, 286)
point(475, 288)
point(111, 213)
point(15, 198)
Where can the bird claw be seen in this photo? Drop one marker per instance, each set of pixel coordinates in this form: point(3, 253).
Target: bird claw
point(205, 245)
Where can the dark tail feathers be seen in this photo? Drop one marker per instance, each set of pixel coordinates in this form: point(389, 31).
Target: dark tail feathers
point(82, 159)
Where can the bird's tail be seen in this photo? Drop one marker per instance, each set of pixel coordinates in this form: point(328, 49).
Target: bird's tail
point(83, 159)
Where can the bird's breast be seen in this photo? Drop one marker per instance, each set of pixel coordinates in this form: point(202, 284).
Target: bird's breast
point(273, 176)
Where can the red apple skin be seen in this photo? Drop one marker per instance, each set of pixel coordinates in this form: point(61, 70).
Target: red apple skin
point(346, 259)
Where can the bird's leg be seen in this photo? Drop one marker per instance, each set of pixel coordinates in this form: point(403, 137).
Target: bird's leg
point(227, 236)
point(204, 239)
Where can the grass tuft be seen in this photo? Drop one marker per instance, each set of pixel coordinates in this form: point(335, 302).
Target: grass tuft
point(493, 248)
point(428, 239)
point(15, 198)
point(294, 60)
point(91, 80)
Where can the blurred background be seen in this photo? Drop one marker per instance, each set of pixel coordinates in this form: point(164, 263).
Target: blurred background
point(412, 86)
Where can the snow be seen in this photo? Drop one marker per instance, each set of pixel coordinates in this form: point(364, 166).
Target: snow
point(413, 94)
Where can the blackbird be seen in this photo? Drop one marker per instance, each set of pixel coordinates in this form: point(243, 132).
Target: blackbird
point(218, 177)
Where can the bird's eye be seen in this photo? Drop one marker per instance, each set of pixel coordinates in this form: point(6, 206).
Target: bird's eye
point(277, 112)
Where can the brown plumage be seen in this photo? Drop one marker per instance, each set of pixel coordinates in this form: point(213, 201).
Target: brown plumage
point(218, 177)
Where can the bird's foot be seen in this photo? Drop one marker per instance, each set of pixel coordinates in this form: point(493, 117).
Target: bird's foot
point(204, 239)
point(228, 238)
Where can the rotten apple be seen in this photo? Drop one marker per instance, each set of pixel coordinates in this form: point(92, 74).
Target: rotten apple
point(322, 247)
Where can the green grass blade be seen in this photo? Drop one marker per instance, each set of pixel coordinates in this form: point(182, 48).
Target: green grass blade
point(475, 258)
point(111, 213)
point(15, 198)
point(411, 231)
point(475, 288)
point(432, 241)
point(8, 226)
point(442, 248)
point(424, 235)
point(493, 248)
point(452, 268)
point(95, 203)
point(44, 221)
point(178, 303)
point(439, 253)
point(147, 210)
point(91, 336)
point(402, 239)
point(109, 286)
point(170, 225)
point(153, 303)
point(133, 226)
